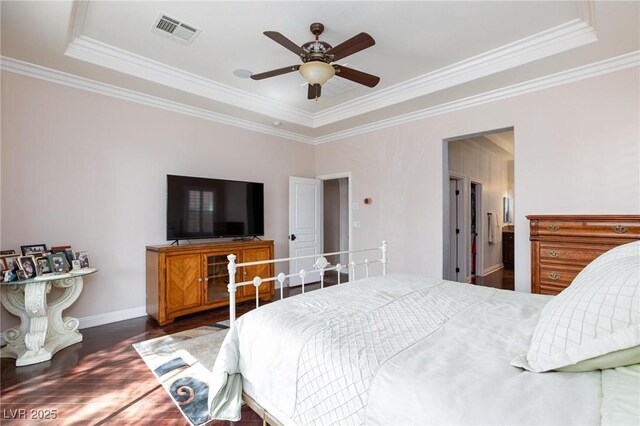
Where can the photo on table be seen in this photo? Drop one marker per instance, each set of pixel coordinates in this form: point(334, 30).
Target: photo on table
point(28, 264)
point(9, 276)
point(33, 248)
point(12, 263)
point(42, 264)
point(58, 262)
point(83, 257)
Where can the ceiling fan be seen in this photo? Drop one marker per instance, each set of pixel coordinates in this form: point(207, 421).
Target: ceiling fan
point(317, 57)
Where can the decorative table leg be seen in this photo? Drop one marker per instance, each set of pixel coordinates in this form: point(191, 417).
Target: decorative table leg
point(63, 331)
point(42, 330)
point(13, 301)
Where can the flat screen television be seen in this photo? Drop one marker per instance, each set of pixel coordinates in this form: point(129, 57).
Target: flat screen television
point(213, 208)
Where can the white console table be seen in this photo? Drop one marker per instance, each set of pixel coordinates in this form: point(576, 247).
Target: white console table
point(43, 330)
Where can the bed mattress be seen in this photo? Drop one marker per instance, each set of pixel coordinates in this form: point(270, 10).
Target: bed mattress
point(399, 349)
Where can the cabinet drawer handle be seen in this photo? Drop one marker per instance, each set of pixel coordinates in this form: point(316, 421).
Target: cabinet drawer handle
point(206, 279)
point(619, 229)
point(554, 276)
point(553, 228)
point(553, 253)
point(199, 279)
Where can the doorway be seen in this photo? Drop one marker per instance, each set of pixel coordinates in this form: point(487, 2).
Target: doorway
point(479, 168)
point(319, 222)
point(335, 236)
point(455, 267)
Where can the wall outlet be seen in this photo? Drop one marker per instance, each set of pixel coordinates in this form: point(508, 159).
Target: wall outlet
point(356, 224)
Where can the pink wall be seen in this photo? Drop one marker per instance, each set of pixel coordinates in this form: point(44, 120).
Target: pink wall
point(577, 150)
point(90, 170)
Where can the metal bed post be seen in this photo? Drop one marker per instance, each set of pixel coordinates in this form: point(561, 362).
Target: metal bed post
point(384, 257)
point(232, 288)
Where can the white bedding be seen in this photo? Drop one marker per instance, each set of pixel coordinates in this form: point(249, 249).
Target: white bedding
point(398, 349)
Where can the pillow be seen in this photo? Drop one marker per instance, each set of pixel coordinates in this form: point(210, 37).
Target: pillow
point(596, 318)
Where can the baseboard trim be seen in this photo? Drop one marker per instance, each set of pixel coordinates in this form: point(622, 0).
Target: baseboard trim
point(110, 317)
point(493, 268)
point(102, 319)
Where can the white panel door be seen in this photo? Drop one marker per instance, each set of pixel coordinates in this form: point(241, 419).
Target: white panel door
point(305, 225)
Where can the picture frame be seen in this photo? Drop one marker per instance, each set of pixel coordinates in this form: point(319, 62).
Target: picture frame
point(58, 262)
point(11, 262)
point(21, 275)
point(9, 276)
point(6, 252)
point(75, 264)
point(42, 265)
point(28, 264)
point(70, 255)
point(83, 257)
point(55, 249)
point(33, 248)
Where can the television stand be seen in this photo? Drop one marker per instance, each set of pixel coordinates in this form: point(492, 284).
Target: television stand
point(194, 277)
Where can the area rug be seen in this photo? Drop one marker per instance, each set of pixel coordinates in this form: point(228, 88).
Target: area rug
point(182, 363)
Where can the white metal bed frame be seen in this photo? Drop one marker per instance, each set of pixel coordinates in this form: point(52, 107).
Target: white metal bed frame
point(320, 265)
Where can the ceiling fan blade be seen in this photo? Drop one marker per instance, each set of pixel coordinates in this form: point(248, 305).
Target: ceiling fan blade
point(273, 73)
point(357, 76)
point(351, 46)
point(283, 41)
point(314, 91)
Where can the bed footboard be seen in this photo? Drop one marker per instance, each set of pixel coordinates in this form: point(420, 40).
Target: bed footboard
point(320, 265)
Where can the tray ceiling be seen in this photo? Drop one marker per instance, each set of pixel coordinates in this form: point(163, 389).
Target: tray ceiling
point(427, 54)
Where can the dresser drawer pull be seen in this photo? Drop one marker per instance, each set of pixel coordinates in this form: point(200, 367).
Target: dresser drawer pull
point(553, 228)
point(553, 253)
point(619, 229)
point(554, 275)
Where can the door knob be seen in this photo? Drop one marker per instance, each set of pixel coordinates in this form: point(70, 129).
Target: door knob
point(293, 237)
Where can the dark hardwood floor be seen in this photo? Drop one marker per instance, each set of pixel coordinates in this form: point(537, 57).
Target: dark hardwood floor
point(502, 278)
point(102, 380)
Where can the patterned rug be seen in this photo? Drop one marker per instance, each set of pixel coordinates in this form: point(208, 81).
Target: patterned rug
point(182, 363)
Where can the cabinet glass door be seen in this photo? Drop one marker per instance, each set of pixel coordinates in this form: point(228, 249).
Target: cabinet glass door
point(216, 277)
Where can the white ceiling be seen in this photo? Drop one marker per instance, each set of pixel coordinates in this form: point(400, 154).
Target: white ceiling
point(427, 54)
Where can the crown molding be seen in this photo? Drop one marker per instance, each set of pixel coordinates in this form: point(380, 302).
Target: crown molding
point(606, 66)
point(96, 52)
point(617, 63)
point(47, 74)
point(570, 35)
point(561, 38)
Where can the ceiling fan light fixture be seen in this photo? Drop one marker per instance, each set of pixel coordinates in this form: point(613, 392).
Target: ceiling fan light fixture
point(317, 72)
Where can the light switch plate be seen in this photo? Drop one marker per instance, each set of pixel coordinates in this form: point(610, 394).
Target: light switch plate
point(356, 224)
point(355, 206)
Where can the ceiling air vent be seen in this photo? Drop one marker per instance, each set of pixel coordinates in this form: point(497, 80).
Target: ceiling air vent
point(175, 29)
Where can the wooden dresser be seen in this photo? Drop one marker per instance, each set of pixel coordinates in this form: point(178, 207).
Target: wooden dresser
point(185, 279)
point(562, 245)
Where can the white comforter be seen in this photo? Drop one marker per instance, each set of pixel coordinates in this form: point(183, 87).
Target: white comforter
point(396, 350)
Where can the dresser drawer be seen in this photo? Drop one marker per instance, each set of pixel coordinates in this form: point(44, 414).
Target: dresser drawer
point(577, 228)
point(558, 275)
point(550, 289)
point(552, 253)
